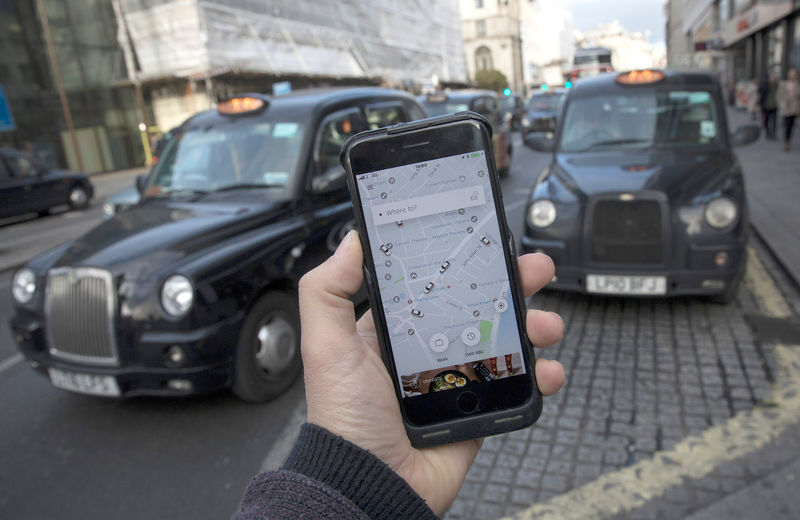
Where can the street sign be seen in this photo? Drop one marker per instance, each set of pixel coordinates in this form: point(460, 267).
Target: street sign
point(6, 119)
point(283, 87)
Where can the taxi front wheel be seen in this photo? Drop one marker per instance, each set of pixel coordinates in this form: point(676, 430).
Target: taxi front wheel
point(268, 354)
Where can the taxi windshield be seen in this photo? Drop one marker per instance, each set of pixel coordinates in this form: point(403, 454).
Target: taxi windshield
point(242, 153)
point(435, 108)
point(544, 102)
point(644, 119)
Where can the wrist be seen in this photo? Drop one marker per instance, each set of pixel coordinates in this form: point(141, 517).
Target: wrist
point(355, 473)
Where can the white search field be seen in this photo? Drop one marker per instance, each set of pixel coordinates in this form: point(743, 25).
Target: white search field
point(428, 205)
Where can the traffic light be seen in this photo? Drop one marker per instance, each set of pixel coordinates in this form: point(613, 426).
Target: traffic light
point(544, 86)
point(507, 92)
point(568, 84)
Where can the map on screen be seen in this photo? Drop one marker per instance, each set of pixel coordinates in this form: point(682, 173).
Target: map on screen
point(438, 254)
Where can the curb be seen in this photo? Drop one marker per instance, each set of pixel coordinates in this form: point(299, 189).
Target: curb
point(775, 256)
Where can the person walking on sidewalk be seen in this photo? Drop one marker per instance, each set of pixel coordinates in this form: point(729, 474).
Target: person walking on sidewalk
point(768, 99)
point(789, 104)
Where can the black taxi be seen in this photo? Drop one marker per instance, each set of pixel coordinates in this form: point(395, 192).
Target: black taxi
point(486, 103)
point(195, 288)
point(643, 195)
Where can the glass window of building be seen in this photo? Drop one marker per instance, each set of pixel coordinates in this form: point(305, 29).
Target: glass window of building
point(775, 39)
point(480, 27)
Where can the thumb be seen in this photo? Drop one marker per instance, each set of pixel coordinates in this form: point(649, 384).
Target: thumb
point(326, 313)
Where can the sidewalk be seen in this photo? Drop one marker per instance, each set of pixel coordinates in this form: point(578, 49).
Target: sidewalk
point(772, 179)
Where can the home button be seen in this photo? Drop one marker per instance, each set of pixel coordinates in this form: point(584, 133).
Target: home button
point(467, 402)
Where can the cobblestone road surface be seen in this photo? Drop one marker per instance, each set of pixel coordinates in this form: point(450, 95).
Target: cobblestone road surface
point(642, 375)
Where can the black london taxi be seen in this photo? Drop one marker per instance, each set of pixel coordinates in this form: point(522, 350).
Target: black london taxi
point(542, 112)
point(643, 195)
point(29, 187)
point(195, 288)
point(484, 102)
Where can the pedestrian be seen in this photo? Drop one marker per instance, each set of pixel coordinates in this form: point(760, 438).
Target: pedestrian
point(768, 100)
point(789, 104)
point(751, 94)
point(353, 460)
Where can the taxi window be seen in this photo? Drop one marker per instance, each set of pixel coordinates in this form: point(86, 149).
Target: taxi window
point(244, 152)
point(334, 131)
point(448, 107)
point(379, 116)
point(673, 118)
point(20, 166)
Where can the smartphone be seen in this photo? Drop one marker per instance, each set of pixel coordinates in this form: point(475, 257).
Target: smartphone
point(442, 277)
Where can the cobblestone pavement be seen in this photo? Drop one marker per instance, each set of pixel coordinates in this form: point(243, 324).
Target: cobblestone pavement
point(642, 375)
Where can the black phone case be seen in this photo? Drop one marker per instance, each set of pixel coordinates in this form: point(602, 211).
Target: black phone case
point(470, 426)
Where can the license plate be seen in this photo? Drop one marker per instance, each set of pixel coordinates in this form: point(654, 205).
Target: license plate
point(612, 284)
point(84, 383)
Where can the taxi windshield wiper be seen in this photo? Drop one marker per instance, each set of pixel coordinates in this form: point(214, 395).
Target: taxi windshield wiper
point(612, 142)
point(246, 186)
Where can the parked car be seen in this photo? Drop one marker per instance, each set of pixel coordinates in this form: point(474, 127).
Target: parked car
point(27, 186)
point(644, 195)
point(542, 113)
point(513, 108)
point(484, 102)
point(195, 288)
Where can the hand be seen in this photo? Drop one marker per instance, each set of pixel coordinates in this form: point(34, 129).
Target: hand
point(350, 393)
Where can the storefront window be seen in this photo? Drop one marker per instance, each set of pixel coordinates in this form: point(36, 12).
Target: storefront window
point(794, 43)
point(775, 39)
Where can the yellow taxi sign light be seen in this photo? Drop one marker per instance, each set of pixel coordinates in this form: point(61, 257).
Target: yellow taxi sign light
point(640, 77)
point(240, 105)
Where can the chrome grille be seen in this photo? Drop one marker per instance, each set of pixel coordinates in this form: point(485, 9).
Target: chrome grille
point(627, 232)
point(79, 312)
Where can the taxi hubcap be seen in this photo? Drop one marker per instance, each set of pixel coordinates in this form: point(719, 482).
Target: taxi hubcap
point(276, 343)
point(77, 196)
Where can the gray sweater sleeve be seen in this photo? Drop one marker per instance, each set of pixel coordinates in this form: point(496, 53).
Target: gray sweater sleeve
point(327, 476)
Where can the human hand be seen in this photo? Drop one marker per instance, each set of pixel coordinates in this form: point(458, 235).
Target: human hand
point(350, 392)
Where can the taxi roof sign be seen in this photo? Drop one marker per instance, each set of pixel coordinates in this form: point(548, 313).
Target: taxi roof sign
point(241, 105)
point(640, 77)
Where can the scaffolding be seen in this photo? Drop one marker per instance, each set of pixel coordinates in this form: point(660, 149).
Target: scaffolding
point(390, 40)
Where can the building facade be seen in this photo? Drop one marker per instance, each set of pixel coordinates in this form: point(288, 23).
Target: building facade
point(742, 40)
point(493, 38)
point(126, 63)
point(548, 43)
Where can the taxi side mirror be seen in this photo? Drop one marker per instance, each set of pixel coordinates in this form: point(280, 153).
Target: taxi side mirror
point(141, 183)
point(334, 179)
point(540, 142)
point(745, 135)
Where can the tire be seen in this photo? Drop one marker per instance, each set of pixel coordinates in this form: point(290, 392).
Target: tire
point(78, 197)
point(268, 351)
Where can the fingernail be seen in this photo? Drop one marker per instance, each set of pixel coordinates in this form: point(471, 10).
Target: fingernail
point(345, 244)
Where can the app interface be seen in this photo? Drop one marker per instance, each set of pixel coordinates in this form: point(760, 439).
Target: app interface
point(441, 272)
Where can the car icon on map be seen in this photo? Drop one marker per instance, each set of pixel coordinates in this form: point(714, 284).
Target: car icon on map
point(428, 287)
point(444, 267)
point(416, 312)
point(485, 240)
point(386, 248)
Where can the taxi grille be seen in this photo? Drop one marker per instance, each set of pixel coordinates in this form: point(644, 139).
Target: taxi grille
point(79, 313)
point(627, 232)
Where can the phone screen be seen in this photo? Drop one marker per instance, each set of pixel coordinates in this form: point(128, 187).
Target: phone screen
point(438, 252)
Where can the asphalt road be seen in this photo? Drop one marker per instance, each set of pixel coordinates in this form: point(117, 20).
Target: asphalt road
point(70, 456)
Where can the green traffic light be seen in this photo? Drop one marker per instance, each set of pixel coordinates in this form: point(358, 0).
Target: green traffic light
point(507, 92)
point(544, 87)
point(568, 84)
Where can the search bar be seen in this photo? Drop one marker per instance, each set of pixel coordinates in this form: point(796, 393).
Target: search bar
point(428, 205)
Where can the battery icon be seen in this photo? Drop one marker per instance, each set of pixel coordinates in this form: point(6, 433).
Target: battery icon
point(476, 154)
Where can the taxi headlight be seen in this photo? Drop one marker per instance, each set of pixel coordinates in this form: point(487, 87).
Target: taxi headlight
point(542, 213)
point(23, 285)
point(177, 295)
point(108, 210)
point(525, 121)
point(721, 213)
